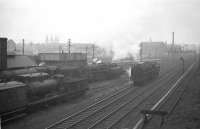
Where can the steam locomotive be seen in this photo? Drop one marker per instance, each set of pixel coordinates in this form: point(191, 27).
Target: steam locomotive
point(25, 87)
point(32, 87)
point(29, 88)
point(143, 72)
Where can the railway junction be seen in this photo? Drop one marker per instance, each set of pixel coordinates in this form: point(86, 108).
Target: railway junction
point(117, 104)
point(86, 64)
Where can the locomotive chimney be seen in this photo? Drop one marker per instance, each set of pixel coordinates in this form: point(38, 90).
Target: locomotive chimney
point(3, 53)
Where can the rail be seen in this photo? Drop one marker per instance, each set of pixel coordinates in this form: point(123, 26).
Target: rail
point(140, 122)
point(87, 108)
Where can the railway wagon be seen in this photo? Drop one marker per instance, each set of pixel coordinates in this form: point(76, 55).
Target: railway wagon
point(75, 64)
point(103, 72)
point(12, 96)
point(92, 73)
point(143, 72)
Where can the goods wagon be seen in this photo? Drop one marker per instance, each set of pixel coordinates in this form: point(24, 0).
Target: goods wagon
point(104, 72)
point(144, 71)
point(12, 96)
point(92, 73)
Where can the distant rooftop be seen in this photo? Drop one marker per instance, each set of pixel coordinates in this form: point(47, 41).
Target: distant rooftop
point(19, 61)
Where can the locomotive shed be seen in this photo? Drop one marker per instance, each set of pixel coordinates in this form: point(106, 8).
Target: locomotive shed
point(104, 108)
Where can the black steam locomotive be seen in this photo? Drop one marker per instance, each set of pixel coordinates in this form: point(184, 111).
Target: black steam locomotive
point(143, 72)
point(24, 89)
point(28, 86)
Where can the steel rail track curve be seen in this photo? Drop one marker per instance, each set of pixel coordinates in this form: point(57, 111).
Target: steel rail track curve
point(140, 122)
point(112, 109)
point(130, 106)
point(59, 122)
point(104, 99)
point(135, 112)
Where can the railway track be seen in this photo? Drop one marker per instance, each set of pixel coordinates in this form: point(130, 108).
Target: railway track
point(112, 82)
point(109, 85)
point(164, 103)
point(99, 111)
point(19, 113)
point(111, 120)
point(171, 101)
point(130, 118)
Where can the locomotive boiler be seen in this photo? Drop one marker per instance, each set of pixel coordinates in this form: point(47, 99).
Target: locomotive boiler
point(29, 90)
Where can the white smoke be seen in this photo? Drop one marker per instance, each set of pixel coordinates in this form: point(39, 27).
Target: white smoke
point(120, 48)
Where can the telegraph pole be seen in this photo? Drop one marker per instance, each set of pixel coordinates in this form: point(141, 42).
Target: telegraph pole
point(69, 46)
point(141, 51)
point(93, 47)
point(86, 53)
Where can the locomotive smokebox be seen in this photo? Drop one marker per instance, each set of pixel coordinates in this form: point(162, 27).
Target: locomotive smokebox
point(3, 53)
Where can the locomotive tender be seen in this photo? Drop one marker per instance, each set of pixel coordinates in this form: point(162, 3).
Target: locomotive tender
point(143, 72)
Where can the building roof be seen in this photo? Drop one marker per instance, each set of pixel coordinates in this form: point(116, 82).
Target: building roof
point(152, 43)
point(19, 61)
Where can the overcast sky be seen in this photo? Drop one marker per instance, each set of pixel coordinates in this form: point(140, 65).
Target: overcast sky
point(102, 21)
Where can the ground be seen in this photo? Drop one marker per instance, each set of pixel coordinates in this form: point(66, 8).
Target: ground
point(45, 117)
point(186, 115)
